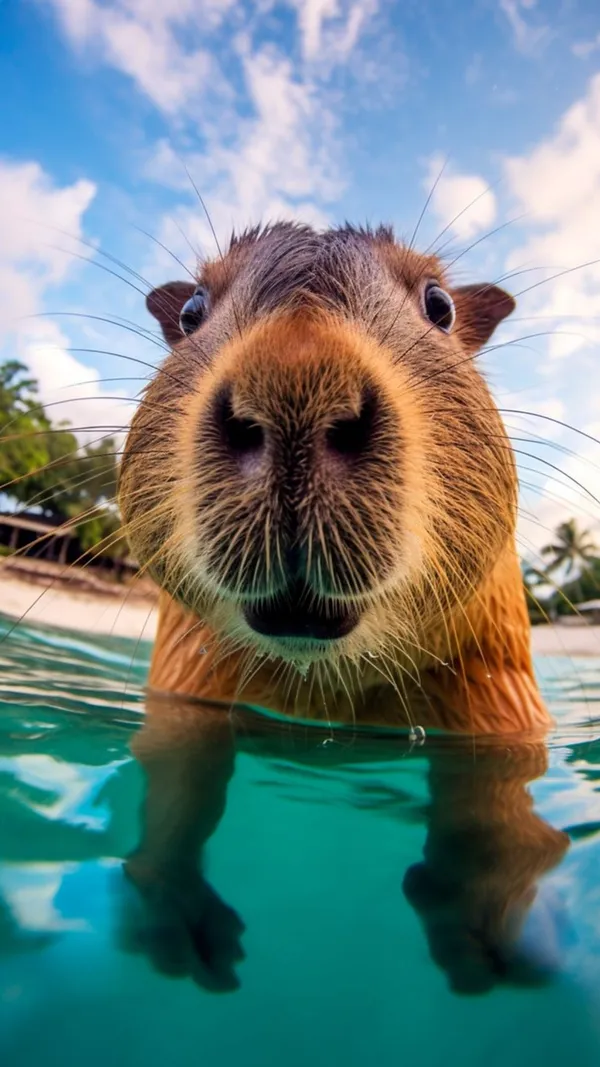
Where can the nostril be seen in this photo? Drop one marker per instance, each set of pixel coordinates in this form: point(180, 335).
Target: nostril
point(242, 437)
point(352, 437)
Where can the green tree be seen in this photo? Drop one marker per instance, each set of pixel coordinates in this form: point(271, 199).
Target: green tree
point(539, 608)
point(532, 576)
point(22, 428)
point(585, 587)
point(43, 466)
point(572, 549)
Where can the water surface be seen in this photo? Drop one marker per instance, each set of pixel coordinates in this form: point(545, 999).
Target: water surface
point(487, 951)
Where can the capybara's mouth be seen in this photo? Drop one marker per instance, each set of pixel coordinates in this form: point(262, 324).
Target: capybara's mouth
point(294, 616)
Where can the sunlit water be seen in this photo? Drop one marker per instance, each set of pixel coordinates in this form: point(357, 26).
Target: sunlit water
point(305, 871)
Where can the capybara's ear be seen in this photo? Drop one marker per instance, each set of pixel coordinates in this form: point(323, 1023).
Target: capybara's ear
point(479, 310)
point(165, 303)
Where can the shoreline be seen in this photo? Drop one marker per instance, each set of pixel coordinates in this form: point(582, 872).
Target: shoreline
point(83, 603)
point(102, 608)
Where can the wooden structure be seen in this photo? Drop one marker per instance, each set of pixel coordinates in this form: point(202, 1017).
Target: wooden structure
point(590, 611)
point(36, 537)
point(32, 535)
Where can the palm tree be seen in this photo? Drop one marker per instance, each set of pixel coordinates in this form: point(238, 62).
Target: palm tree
point(539, 605)
point(532, 575)
point(572, 548)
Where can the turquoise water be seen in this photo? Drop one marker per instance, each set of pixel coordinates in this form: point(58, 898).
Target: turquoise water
point(305, 839)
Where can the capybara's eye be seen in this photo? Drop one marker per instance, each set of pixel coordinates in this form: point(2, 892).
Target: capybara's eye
point(439, 307)
point(194, 311)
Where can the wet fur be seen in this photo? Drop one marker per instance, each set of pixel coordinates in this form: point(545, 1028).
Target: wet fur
point(420, 534)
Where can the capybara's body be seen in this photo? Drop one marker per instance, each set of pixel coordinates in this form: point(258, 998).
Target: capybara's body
point(320, 482)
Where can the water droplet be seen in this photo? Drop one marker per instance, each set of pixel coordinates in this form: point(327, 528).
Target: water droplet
point(488, 675)
point(417, 735)
point(202, 651)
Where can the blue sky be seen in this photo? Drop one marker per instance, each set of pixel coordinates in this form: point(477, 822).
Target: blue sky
point(321, 109)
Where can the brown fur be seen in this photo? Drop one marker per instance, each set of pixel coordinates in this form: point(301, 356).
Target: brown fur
point(417, 535)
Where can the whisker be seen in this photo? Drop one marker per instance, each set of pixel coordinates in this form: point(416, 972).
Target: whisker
point(175, 258)
point(473, 356)
point(98, 251)
point(485, 237)
point(130, 359)
point(215, 238)
point(102, 266)
point(559, 274)
point(550, 418)
point(57, 462)
point(426, 204)
point(107, 381)
point(123, 324)
point(459, 215)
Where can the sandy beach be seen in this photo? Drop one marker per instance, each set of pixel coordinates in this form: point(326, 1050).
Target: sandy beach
point(38, 596)
point(84, 604)
point(579, 639)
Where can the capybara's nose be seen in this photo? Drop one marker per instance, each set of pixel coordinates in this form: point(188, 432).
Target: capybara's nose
point(243, 438)
point(286, 433)
point(350, 437)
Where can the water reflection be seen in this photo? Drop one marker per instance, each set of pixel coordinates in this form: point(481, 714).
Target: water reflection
point(186, 928)
point(485, 852)
point(474, 851)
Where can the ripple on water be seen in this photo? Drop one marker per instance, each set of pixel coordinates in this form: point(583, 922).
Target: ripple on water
point(346, 961)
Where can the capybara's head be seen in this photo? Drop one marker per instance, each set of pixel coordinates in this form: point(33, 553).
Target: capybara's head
point(318, 470)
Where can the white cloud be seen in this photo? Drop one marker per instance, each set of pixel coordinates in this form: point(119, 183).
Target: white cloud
point(143, 39)
point(529, 416)
point(463, 202)
point(187, 236)
point(69, 389)
point(39, 221)
point(529, 36)
point(584, 49)
point(330, 28)
point(35, 216)
point(312, 14)
point(277, 154)
point(282, 146)
point(267, 152)
point(166, 46)
point(280, 162)
point(550, 496)
point(557, 186)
